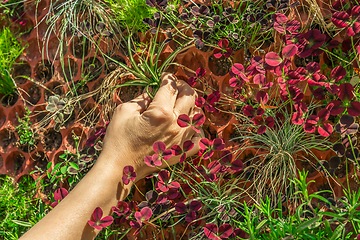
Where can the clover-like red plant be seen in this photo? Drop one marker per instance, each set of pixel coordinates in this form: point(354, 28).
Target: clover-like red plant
point(184, 121)
point(128, 174)
point(99, 221)
point(238, 76)
point(141, 217)
point(224, 51)
point(213, 232)
point(207, 147)
point(200, 72)
point(346, 96)
point(190, 209)
point(59, 195)
point(226, 158)
point(345, 20)
point(121, 209)
point(317, 122)
point(176, 150)
point(164, 184)
point(263, 123)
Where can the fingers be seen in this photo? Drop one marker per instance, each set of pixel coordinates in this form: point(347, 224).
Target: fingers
point(185, 101)
point(138, 105)
point(166, 95)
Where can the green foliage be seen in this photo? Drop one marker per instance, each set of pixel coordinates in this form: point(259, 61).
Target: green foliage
point(59, 108)
point(276, 152)
point(261, 221)
point(72, 166)
point(10, 49)
point(130, 13)
point(19, 211)
point(25, 130)
point(148, 71)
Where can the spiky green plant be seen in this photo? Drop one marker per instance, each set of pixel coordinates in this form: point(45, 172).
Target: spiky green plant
point(276, 151)
point(10, 49)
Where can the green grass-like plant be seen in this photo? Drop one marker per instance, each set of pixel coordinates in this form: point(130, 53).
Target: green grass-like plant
point(19, 211)
point(276, 152)
point(10, 50)
point(130, 13)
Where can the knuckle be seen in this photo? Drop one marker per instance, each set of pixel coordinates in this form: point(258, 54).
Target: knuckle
point(163, 113)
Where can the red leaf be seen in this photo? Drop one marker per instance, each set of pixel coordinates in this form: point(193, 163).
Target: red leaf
point(272, 59)
point(261, 130)
point(200, 101)
point(259, 79)
point(340, 19)
point(325, 130)
point(159, 147)
point(204, 143)
point(97, 214)
point(60, 194)
point(106, 221)
point(280, 18)
point(338, 73)
point(176, 150)
point(354, 109)
point(210, 230)
point(223, 43)
point(198, 119)
point(183, 120)
point(218, 144)
point(346, 91)
point(289, 51)
point(237, 68)
point(225, 230)
point(262, 97)
point(188, 145)
point(200, 72)
point(164, 175)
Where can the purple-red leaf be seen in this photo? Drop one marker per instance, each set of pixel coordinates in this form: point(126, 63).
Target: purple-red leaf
point(198, 119)
point(159, 147)
point(183, 120)
point(273, 59)
point(289, 51)
point(218, 144)
point(204, 143)
point(188, 145)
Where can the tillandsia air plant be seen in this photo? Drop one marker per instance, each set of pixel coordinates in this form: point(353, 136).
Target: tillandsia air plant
point(147, 69)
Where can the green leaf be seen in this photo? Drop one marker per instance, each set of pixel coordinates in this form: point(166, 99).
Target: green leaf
point(51, 107)
point(57, 166)
point(53, 99)
point(63, 169)
point(68, 110)
point(330, 214)
point(57, 127)
point(261, 224)
point(74, 165)
point(320, 197)
point(71, 180)
point(306, 224)
point(63, 156)
point(21, 223)
point(58, 117)
point(337, 232)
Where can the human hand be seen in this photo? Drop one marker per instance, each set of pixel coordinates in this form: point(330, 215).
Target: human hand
point(138, 124)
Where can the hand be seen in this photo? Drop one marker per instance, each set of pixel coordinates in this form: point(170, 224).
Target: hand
point(137, 124)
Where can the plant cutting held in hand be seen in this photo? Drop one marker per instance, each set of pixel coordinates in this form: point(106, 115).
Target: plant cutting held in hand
point(147, 71)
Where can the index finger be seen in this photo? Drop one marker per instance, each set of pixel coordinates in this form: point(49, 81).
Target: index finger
point(167, 93)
